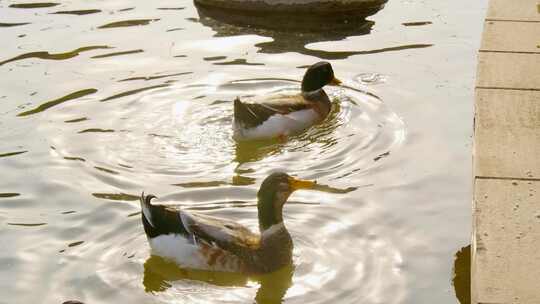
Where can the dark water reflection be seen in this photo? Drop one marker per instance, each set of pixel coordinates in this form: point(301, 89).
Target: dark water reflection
point(8, 154)
point(117, 54)
point(52, 103)
point(56, 56)
point(78, 12)
point(126, 23)
point(2, 24)
point(34, 5)
point(462, 275)
point(293, 38)
point(5, 195)
point(288, 39)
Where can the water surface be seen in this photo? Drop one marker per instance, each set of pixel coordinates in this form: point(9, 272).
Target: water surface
point(102, 100)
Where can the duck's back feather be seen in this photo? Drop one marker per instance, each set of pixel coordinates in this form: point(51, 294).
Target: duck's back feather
point(225, 233)
point(251, 113)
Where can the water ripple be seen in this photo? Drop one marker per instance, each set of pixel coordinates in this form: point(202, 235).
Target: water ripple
point(52, 103)
point(34, 5)
point(2, 24)
point(118, 54)
point(78, 12)
point(125, 23)
point(8, 154)
point(57, 56)
point(187, 132)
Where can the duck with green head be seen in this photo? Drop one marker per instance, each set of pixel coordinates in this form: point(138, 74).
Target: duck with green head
point(281, 115)
point(199, 241)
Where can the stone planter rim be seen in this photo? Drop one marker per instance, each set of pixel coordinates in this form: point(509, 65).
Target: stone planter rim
point(319, 7)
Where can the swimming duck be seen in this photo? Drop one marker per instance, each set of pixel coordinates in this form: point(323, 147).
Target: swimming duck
point(199, 241)
point(280, 115)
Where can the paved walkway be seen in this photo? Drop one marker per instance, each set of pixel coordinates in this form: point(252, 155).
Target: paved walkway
point(506, 236)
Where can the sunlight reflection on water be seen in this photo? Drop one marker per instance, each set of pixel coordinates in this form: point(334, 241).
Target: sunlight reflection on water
point(91, 117)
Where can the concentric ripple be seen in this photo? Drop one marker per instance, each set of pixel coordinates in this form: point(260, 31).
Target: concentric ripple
point(340, 258)
point(178, 140)
point(186, 132)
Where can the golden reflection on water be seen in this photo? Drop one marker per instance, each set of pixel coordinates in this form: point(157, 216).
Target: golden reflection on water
point(189, 127)
point(251, 151)
point(159, 274)
point(180, 136)
point(367, 246)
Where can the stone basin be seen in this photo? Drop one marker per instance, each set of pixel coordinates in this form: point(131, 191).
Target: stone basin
point(301, 15)
point(319, 7)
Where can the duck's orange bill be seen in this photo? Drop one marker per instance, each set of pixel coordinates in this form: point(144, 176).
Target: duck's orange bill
point(335, 81)
point(297, 184)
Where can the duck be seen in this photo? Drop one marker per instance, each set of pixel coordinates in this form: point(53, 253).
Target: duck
point(282, 115)
point(199, 241)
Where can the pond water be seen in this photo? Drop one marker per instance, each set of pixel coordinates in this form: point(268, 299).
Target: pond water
point(101, 100)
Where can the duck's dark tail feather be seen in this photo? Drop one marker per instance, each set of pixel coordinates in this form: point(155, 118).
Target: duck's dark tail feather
point(244, 114)
point(250, 115)
point(158, 219)
point(239, 110)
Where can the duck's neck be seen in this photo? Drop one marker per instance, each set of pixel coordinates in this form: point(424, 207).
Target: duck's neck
point(315, 95)
point(276, 243)
point(270, 214)
point(320, 99)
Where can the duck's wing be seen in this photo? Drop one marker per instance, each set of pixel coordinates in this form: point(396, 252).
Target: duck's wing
point(254, 112)
point(226, 234)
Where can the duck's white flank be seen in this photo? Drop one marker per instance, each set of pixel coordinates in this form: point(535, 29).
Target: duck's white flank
point(177, 248)
point(278, 125)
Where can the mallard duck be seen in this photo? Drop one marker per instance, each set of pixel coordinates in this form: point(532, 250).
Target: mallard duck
point(199, 241)
point(280, 115)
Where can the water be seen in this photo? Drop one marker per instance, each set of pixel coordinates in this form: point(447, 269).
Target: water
point(100, 101)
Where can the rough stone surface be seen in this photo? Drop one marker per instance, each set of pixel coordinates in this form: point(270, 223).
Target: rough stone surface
point(501, 37)
point(523, 10)
point(507, 134)
point(506, 247)
point(508, 70)
point(505, 264)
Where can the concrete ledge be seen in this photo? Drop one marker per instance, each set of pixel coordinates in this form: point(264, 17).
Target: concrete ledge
point(501, 37)
point(508, 71)
point(507, 134)
point(506, 267)
point(505, 264)
point(522, 10)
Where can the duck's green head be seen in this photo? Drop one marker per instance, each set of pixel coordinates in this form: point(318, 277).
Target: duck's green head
point(272, 195)
point(317, 76)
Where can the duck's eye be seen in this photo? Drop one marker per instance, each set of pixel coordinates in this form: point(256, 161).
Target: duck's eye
point(283, 186)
